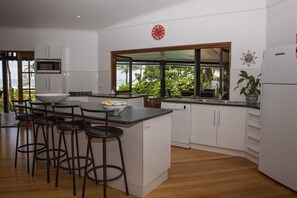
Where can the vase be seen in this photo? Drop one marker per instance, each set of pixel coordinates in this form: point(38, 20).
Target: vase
point(251, 98)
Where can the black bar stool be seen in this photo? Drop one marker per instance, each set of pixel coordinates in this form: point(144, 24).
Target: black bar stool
point(66, 122)
point(42, 118)
point(23, 115)
point(95, 130)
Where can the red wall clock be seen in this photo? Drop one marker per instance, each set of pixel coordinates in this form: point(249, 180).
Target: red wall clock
point(158, 32)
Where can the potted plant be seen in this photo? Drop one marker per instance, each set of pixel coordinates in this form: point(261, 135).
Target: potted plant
point(250, 86)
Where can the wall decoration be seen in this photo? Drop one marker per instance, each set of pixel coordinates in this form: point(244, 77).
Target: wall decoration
point(248, 58)
point(158, 32)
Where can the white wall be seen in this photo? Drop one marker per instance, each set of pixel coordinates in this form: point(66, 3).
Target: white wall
point(281, 23)
point(236, 21)
point(81, 72)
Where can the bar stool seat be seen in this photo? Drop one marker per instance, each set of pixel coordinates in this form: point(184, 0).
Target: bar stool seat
point(71, 125)
point(100, 132)
point(104, 133)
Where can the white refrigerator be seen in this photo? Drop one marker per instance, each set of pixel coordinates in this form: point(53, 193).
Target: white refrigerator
point(278, 146)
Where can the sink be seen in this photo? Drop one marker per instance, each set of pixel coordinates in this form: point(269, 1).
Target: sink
point(219, 101)
point(231, 102)
point(206, 100)
point(52, 97)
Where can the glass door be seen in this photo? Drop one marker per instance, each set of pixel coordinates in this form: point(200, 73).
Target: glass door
point(17, 80)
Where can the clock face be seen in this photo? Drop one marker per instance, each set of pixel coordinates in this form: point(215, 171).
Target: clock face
point(158, 32)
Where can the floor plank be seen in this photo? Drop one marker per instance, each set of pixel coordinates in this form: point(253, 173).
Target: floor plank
point(193, 173)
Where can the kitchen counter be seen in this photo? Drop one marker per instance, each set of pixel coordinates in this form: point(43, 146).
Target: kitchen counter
point(146, 145)
point(211, 102)
point(131, 99)
point(120, 96)
point(131, 115)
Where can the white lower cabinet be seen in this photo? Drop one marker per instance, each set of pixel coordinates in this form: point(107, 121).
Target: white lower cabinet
point(218, 126)
point(49, 83)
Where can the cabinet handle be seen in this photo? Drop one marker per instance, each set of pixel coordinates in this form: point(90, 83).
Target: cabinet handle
point(49, 83)
point(49, 51)
point(214, 117)
point(45, 51)
point(46, 83)
point(219, 118)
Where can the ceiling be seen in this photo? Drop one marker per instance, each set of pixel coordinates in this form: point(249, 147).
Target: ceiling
point(94, 14)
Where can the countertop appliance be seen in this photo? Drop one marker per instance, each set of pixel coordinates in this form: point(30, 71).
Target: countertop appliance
point(180, 123)
point(278, 146)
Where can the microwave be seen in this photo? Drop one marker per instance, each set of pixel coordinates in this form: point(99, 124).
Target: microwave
point(48, 66)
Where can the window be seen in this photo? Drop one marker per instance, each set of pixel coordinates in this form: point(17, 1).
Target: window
point(17, 77)
point(200, 70)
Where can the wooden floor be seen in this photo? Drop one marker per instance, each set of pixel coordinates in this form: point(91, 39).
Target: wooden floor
point(193, 173)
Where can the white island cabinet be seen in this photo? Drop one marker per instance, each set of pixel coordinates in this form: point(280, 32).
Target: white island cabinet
point(216, 127)
point(147, 153)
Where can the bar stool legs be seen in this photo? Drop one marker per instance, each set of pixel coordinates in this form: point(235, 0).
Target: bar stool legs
point(75, 156)
point(123, 165)
point(45, 149)
point(27, 145)
point(104, 166)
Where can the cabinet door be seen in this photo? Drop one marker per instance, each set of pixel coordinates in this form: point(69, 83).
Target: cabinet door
point(41, 83)
point(40, 51)
point(55, 83)
point(55, 51)
point(231, 127)
point(48, 83)
point(156, 147)
point(204, 124)
point(48, 52)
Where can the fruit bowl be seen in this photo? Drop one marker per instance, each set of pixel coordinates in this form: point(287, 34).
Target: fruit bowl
point(116, 106)
point(52, 97)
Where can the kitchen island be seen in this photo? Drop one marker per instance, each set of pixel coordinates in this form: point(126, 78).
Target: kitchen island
point(146, 146)
point(131, 99)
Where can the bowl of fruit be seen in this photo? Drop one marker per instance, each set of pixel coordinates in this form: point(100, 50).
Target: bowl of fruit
point(116, 106)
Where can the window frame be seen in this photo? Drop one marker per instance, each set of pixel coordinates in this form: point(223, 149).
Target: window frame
point(197, 48)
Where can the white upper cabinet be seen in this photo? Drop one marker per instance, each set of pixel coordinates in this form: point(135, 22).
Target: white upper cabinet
point(48, 52)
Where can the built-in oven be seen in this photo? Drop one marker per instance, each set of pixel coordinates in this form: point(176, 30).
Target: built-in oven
point(48, 66)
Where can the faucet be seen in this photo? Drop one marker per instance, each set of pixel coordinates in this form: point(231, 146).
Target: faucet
point(222, 95)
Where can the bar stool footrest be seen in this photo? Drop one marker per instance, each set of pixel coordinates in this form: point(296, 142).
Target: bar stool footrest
point(20, 148)
point(75, 158)
point(108, 167)
point(50, 150)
